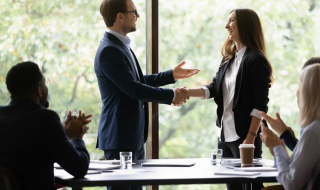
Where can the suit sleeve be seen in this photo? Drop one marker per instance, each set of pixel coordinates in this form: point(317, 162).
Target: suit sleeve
point(114, 66)
point(160, 79)
point(260, 72)
point(72, 156)
point(290, 141)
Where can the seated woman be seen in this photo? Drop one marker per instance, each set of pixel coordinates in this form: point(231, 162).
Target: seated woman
point(300, 170)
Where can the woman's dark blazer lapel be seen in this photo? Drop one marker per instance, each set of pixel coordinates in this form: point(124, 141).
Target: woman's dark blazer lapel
point(239, 78)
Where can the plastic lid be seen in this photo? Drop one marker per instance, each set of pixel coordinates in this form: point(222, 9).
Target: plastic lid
point(246, 146)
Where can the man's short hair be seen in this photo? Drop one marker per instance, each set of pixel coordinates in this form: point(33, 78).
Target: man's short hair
point(110, 8)
point(22, 78)
point(311, 61)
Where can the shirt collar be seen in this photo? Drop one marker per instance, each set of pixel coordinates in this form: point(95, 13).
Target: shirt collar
point(241, 52)
point(301, 131)
point(124, 39)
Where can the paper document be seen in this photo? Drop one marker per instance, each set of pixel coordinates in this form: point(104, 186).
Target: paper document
point(231, 161)
point(93, 166)
point(236, 173)
point(115, 162)
point(256, 169)
point(168, 164)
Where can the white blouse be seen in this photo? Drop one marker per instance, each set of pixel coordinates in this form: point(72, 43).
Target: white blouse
point(228, 87)
point(299, 171)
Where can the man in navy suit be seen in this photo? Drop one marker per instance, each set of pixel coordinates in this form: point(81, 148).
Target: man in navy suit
point(124, 90)
point(32, 138)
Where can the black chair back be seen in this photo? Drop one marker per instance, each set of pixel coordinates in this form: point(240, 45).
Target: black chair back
point(316, 183)
point(8, 180)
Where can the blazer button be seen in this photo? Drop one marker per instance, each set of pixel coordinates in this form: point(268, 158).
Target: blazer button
point(142, 106)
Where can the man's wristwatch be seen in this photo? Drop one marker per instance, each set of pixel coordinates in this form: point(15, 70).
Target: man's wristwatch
point(252, 133)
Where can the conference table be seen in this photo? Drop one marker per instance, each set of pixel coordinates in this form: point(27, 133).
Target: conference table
point(202, 172)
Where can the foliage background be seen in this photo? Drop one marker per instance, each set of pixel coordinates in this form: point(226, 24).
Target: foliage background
point(62, 37)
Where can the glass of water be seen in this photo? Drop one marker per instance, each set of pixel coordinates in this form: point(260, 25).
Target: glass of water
point(216, 156)
point(126, 160)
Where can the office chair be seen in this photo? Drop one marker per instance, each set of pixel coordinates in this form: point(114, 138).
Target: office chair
point(8, 180)
point(316, 183)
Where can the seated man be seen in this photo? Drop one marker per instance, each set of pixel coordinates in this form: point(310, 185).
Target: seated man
point(32, 138)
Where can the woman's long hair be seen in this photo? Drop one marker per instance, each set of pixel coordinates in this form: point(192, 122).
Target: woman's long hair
point(309, 94)
point(250, 34)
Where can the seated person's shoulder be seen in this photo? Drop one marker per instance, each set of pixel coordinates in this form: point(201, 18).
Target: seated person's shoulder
point(314, 127)
point(48, 114)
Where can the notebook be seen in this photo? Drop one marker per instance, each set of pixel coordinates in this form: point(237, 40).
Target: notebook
point(168, 164)
point(93, 166)
point(256, 169)
point(113, 162)
point(236, 173)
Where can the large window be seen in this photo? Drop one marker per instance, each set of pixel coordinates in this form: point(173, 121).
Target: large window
point(62, 37)
point(194, 30)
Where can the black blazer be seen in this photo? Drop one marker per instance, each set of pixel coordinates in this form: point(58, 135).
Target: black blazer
point(32, 139)
point(124, 116)
point(289, 140)
point(251, 90)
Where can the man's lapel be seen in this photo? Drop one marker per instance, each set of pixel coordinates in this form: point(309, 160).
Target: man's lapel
point(138, 67)
point(125, 50)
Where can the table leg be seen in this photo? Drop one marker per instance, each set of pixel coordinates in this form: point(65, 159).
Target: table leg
point(247, 186)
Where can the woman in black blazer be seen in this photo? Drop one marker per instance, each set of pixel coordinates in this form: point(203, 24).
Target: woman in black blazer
point(241, 85)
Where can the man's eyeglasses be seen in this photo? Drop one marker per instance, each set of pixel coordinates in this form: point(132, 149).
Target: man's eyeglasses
point(135, 12)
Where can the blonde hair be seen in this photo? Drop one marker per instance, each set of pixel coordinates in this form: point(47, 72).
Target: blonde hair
point(250, 34)
point(309, 94)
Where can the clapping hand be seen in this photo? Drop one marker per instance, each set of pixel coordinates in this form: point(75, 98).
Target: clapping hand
point(75, 125)
point(268, 137)
point(277, 124)
point(181, 73)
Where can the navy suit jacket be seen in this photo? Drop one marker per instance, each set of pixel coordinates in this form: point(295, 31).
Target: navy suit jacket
point(289, 140)
point(32, 139)
point(124, 94)
point(251, 90)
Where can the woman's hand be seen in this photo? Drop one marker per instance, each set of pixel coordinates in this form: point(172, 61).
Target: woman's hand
point(270, 139)
point(276, 124)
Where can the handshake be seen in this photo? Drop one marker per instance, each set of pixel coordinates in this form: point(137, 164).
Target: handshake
point(182, 95)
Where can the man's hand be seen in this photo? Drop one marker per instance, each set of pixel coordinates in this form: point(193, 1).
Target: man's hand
point(180, 73)
point(181, 96)
point(276, 124)
point(75, 129)
point(68, 119)
point(75, 126)
point(86, 119)
point(268, 137)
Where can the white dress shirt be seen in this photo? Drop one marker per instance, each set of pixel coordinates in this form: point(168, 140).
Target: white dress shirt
point(228, 87)
point(126, 41)
point(300, 170)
